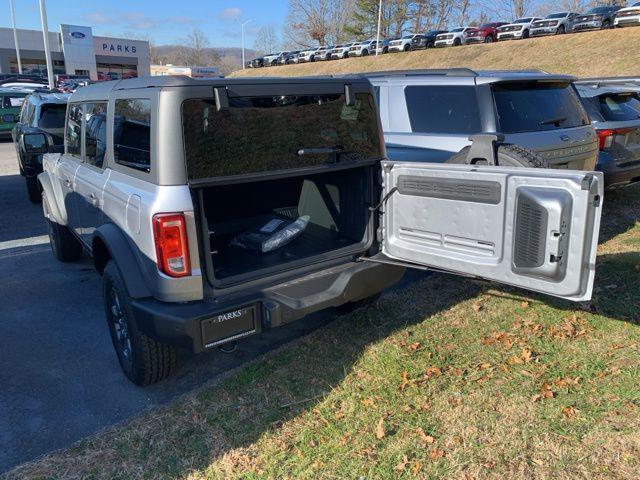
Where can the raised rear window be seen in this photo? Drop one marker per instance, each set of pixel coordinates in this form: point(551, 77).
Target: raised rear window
point(537, 106)
point(270, 133)
point(443, 109)
point(619, 107)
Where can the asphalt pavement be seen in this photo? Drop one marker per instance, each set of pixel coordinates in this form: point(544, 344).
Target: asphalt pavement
point(59, 377)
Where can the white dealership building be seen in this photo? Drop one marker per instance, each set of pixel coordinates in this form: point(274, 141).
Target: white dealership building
point(75, 51)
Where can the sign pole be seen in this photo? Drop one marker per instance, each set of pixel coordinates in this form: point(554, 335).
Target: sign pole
point(378, 34)
point(47, 51)
point(15, 36)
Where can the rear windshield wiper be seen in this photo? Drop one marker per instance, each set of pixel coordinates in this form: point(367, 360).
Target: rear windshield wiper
point(553, 121)
point(333, 151)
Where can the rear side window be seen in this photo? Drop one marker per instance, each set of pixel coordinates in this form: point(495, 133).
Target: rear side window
point(132, 134)
point(73, 132)
point(538, 106)
point(13, 101)
point(618, 108)
point(96, 133)
point(443, 109)
point(52, 116)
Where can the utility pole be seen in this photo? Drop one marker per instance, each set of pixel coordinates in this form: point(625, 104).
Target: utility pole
point(242, 25)
point(378, 34)
point(15, 36)
point(47, 51)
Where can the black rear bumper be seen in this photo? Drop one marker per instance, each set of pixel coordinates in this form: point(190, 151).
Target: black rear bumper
point(615, 175)
point(197, 326)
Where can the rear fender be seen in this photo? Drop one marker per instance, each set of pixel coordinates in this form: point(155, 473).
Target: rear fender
point(120, 250)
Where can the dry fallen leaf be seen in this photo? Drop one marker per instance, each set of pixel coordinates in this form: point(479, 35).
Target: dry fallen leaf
point(436, 453)
point(432, 372)
point(524, 304)
point(569, 411)
point(416, 467)
point(424, 437)
point(405, 381)
point(476, 307)
point(414, 346)
point(380, 429)
point(400, 467)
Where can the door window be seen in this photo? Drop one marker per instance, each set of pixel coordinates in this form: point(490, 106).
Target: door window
point(96, 133)
point(132, 133)
point(73, 133)
point(13, 101)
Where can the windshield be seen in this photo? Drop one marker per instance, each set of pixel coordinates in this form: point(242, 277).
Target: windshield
point(523, 20)
point(599, 10)
point(457, 30)
point(407, 37)
point(52, 116)
point(537, 106)
point(557, 15)
point(259, 134)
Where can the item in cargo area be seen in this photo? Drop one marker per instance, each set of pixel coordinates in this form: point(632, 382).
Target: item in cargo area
point(273, 234)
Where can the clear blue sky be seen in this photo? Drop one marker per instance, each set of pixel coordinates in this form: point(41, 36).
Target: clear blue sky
point(164, 21)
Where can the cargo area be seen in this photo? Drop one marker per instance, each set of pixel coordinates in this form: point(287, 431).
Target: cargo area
point(264, 227)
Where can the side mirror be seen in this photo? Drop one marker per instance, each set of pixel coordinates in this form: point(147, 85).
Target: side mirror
point(35, 143)
point(9, 118)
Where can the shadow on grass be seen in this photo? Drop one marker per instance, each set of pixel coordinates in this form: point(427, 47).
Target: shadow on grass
point(621, 212)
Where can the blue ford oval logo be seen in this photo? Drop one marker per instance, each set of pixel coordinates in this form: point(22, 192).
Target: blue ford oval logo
point(77, 34)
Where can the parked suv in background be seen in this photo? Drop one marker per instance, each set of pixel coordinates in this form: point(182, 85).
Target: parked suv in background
point(485, 33)
point(362, 49)
point(405, 43)
point(614, 111)
point(452, 38)
point(307, 55)
point(596, 18)
point(39, 130)
point(341, 51)
point(554, 24)
point(426, 40)
point(429, 115)
point(629, 16)
point(208, 228)
point(272, 59)
point(520, 28)
point(257, 62)
point(11, 101)
point(323, 53)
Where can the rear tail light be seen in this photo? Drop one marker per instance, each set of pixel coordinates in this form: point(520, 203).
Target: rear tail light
point(172, 247)
point(607, 136)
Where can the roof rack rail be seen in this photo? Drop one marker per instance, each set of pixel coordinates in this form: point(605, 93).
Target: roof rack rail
point(453, 72)
point(608, 79)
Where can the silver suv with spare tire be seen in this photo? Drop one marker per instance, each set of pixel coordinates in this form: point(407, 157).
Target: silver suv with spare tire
point(215, 209)
point(429, 115)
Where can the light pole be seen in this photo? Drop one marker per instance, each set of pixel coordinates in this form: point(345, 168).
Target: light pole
point(242, 25)
point(15, 36)
point(47, 52)
point(378, 34)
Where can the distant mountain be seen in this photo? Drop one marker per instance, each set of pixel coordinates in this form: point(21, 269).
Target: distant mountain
point(230, 58)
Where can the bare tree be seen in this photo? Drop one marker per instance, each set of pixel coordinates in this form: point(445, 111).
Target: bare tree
point(194, 50)
point(266, 40)
point(463, 12)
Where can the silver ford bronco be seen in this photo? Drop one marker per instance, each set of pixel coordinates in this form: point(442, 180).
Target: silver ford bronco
point(214, 209)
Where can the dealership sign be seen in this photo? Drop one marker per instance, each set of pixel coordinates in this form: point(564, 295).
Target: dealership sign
point(76, 35)
point(117, 48)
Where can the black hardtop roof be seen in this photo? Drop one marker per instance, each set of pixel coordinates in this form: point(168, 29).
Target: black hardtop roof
point(487, 76)
point(102, 89)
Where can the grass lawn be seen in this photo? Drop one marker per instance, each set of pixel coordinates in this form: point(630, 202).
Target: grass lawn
point(445, 378)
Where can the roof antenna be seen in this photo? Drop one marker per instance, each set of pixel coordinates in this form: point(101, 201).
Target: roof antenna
point(222, 98)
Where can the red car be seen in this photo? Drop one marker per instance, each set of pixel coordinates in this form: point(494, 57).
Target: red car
point(485, 33)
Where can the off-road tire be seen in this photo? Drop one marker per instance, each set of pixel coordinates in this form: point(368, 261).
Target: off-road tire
point(407, 47)
point(365, 52)
point(457, 42)
point(561, 30)
point(606, 25)
point(358, 304)
point(64, 245)
point(148, 361)
point(525, 34)
point(33, 189)
point(488, 39)
point(430, 45)
point(508, 156)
